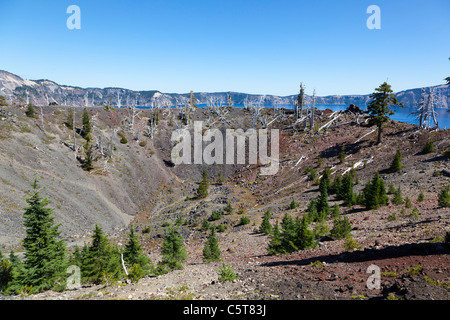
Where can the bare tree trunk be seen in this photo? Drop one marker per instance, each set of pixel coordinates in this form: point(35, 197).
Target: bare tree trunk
point(123, 264)
point(313, 106)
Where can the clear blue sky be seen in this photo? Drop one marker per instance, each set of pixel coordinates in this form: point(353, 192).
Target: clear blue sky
point(254, 46)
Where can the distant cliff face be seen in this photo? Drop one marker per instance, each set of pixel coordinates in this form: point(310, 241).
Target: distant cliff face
point(45, 92)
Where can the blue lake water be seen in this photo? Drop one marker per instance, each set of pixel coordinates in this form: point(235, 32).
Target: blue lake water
point(401, 114)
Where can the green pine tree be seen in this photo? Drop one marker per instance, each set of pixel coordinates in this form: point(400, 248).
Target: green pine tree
point(304, 238)
point(87, 127)
point(133, 255)
point(323, 208)
point(444, 197)
point(100, 259)
point(288, 233)
point(173, 252)
point(229, 208)
point(45, 261)
point(374, 193)
point(221, 179)
point(266, 226)
point(275, 244)
point(342, 155)
point(293, 204)
point(30, 113)
point(87, 162)
point(428, 147)
point(420, 197)
point(211, 250)
point(341, 228)
point(396, 164)
point(325, 179)
point(346, 191)
point(397, 199)
point(336, 212)
point(336, 186)
point(3, 101)
point(379, 107)
point(407, 203)
point(202, 191)
point(312, 214)
point(391, 189)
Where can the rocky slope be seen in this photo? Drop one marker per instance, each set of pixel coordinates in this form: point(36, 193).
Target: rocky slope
point(139, 184)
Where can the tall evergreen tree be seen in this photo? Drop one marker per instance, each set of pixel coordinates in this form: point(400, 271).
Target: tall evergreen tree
point(346, 192)
point(379, 107)
point(266, 226)
point(100, 258)
point(87, 127)
point(30, 113)
point(45, 254)
point(304, 238)
point(312, 214)
point(133, 254)
point(323, 208)
point(375, 193)
point(396, 164)
point(288, 233)
point(336, 185)
point(202, 191)
point(87, 163)
point(398, 199)
point(275, 246)
point(211, 250)
point(173, 252)
point(325, 179)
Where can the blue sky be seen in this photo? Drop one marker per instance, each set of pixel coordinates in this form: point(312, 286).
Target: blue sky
point(254, 46)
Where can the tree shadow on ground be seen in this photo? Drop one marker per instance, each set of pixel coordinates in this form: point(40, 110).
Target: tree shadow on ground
point(410, 249)
point(436, 159)
point(350, 149)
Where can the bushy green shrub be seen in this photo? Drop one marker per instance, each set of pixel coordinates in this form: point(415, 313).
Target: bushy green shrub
point(428, 147)
point(444, 197)
point(227, 273)
point(420, 197)
point(294, 235)
point(350, 244)
point(341, 228)
point(244, 220)
point(216, 215)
